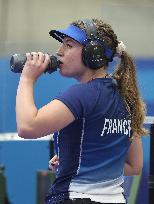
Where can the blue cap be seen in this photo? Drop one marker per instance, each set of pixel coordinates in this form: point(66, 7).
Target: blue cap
point(71, 31)
point(79, 35)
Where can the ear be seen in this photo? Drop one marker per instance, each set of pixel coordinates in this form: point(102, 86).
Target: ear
point(93, 55)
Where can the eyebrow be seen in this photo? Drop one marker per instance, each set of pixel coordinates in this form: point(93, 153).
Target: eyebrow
point(69, 40)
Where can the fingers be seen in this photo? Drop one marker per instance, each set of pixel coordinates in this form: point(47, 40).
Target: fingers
point(35, 56)
point(41, 57)
point(47, 60)
point(53, 168)
point(28, 55)
point(53, 163)
point(54, 159)
point(38, 56)
point(36, 64)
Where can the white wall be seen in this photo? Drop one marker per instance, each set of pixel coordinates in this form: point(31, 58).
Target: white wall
point(24, 24)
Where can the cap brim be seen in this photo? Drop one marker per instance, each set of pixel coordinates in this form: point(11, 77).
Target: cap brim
point(57, 35)
point(71, 31)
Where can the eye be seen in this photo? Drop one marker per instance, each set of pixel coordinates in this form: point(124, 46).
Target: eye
point(69, 45)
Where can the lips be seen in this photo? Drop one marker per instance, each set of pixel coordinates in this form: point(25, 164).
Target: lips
point(60, 64)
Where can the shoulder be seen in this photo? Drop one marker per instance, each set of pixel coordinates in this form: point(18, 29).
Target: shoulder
point(80, 98)
point(81, 90)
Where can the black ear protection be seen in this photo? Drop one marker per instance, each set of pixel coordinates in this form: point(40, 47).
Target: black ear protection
point(94, 54)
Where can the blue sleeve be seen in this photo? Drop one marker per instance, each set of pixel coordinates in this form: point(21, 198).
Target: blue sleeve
point(80, 99)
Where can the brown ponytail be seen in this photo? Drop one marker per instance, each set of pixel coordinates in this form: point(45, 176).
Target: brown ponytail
point(125, 74)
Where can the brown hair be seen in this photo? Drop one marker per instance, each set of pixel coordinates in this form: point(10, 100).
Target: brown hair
point(125, 75)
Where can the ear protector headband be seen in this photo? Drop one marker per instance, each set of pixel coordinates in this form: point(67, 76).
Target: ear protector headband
point(95, 53)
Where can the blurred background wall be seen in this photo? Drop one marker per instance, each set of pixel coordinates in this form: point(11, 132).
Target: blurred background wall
point(24, 24)
point(24, 27)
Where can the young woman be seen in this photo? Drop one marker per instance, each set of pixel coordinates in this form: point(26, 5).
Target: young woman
point(97, 123)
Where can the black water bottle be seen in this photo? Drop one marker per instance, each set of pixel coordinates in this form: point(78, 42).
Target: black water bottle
point(17, 63)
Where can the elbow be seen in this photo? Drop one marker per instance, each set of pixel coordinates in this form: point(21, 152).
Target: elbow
point(138, 167)
point(26, 133)
point(132, 170)
point(138, 170)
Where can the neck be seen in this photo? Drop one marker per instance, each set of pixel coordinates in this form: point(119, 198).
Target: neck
point(93, 74)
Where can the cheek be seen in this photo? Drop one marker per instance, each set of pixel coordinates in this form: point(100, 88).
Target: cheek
point(75, 58)
point(72, 69)
point(73, 63)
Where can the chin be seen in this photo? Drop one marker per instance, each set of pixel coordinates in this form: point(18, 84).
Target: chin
point(65, 74)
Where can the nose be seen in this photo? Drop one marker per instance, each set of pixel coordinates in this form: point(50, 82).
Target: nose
point(60, 51)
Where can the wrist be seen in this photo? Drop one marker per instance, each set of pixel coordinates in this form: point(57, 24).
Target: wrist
point(27, 80)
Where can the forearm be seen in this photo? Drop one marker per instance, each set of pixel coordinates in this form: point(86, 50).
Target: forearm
point(134, 160)
point(128, 171)
point(26, 110)
point(131, 170)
